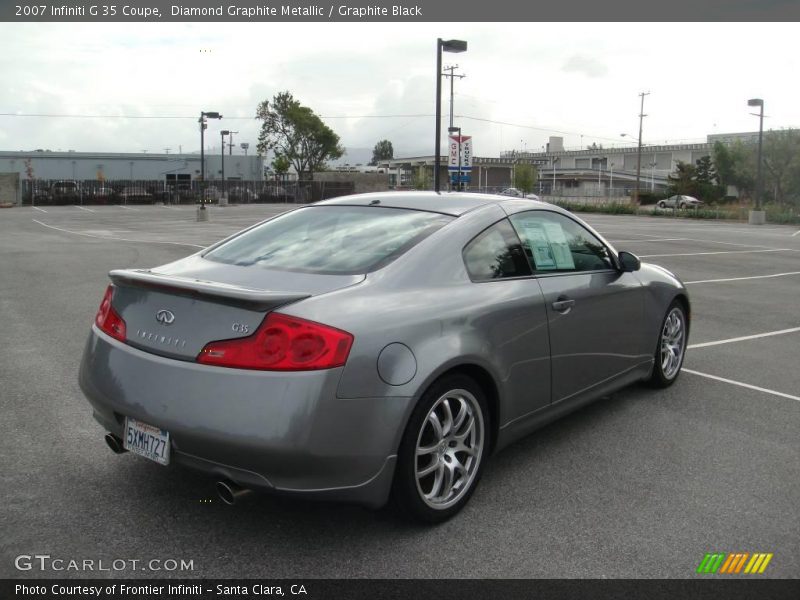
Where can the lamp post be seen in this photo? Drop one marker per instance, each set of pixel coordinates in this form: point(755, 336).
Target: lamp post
point(202, 121)
point(757, 216)
point(611, 180)
point(555, 160)
point(230, 142)
point(442, 46)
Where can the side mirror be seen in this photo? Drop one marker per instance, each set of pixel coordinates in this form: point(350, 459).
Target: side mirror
point(629, 262)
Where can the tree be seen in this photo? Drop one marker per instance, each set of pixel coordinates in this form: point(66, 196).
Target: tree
point(781, 155)
point(280, 165)
point(706, 180)
point(383, 150)
point(682, 181)
point(525, 177)
point(420, 180)
point(735, 165)
point(295, 133)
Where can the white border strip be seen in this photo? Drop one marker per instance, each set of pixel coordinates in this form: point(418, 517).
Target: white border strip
point(743, 338)
point(744, 385)
point(115, 239)
point(743, 278)
point(720, 252)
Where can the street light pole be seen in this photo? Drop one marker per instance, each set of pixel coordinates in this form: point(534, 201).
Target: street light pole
point(639, 148)
point(759, 219)
point(555, 160)
point(223, 133)
point(202, 121)
point(441, 46)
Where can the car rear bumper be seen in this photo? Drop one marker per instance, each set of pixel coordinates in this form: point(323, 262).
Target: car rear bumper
point(281, 432)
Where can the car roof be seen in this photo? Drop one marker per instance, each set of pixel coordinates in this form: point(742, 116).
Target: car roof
point(450, 203)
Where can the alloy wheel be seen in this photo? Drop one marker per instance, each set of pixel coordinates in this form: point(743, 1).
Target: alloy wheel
point(449, 449)
point(673, 343)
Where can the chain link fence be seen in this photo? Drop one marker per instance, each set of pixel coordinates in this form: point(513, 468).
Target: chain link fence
point(64, 192)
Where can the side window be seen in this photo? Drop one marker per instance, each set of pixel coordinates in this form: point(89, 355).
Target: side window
point(495, 254)
point(553, 242)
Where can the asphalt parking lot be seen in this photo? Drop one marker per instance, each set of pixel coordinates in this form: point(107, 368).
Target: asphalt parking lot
point(641, 484)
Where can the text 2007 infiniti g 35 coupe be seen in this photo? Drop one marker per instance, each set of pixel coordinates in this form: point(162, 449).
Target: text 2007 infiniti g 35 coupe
point(376, 345)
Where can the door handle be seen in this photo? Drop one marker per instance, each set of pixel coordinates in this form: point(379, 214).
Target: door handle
point(563, 305)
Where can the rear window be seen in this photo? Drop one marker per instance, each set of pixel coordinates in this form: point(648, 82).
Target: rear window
point(335, 240)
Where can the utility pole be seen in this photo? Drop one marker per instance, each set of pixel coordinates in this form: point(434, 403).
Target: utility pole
point(452, 76)
point(639, 149)
point(230, 142)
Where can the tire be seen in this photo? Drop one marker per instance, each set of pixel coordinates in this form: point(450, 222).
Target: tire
point(683, 204)
point(454, 466)
point(671, 341)
point(662, 205)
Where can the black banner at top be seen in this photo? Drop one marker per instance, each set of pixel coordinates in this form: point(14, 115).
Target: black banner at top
point(396, 10)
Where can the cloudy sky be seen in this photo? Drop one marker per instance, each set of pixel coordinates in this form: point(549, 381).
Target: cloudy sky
point(370, 81)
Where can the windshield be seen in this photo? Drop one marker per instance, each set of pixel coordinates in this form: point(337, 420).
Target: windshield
point(339, 240)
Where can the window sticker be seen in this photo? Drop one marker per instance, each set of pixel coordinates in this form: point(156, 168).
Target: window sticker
point(548, 244)
point(559, 245)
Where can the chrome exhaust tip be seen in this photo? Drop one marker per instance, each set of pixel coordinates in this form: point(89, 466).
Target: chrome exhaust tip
point(115, 444)
point(230, 492)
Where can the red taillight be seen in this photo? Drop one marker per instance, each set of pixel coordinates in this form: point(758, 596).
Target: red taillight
point(282, 343)
point(107, 319)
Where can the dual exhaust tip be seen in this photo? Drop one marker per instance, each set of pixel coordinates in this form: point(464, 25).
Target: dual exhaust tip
point(228, 491)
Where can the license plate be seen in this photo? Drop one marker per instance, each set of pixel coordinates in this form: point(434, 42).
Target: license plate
point(146, 440)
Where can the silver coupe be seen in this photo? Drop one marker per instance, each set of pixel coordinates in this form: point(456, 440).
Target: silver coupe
point(375, 346)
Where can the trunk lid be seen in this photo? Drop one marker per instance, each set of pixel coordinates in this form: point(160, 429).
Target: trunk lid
point(177, 309)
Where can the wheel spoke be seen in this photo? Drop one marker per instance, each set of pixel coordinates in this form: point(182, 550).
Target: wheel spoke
point(423, 450)
point(447, 425)
point(463, 412)
point(437, 483)
point(436, 424)
point(460, 437)
point(429, 469)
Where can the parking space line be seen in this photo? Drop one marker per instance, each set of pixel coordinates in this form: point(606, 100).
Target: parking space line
point(115, 239)
point(796, 232)
point(743, 338)
point(742, 278)
point(39, 209)
point(86, 209)
point(647, 241)
point(126, 207)
point(742, 384)
point(720, 252)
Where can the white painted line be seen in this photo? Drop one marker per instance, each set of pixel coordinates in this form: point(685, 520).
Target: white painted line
point(720, 252)
point(126, 207)
point(648, 241)
point(742, 278)
point(86, 209)
point(744, 385)
point(796, 232)
point(39, 209)
point(115, 239)
point(743, 338)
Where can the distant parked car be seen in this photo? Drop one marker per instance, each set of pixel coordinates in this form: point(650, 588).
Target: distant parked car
point(101, 194)
point(532, 197)
point(680, 201)
point(135, 194)
point(65, 192)
point(277, 193)
point(512, 192)
point(242, 194)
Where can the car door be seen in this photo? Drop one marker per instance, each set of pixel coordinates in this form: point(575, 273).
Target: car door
point(595, 312)
point(509, 316)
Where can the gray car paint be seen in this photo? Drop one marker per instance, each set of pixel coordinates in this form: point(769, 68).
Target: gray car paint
point(335, 433)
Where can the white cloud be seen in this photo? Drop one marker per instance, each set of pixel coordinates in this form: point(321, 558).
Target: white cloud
point(582, 79)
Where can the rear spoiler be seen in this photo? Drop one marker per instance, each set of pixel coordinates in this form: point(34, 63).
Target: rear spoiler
point(211, 290)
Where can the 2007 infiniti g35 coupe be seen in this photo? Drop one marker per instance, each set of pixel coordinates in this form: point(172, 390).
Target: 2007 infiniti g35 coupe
point(376, 345)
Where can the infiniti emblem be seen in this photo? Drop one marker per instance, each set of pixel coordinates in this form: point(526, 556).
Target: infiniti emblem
point(165, 317)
